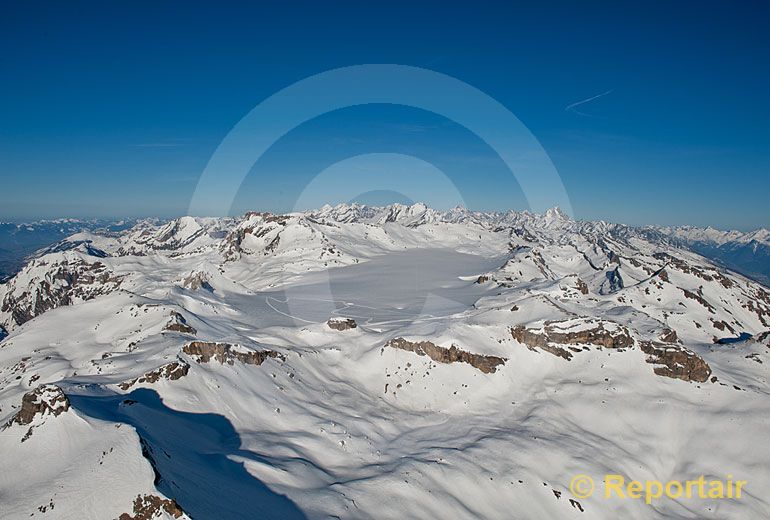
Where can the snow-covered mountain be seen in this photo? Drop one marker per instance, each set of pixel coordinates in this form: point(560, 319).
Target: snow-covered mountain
point(748, 253)
point(362, 362)
point(19, 240)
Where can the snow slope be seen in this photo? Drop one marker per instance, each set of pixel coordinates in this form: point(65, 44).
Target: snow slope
point(208, 368)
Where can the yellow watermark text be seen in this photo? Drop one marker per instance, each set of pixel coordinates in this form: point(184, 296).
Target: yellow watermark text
point(618, 486)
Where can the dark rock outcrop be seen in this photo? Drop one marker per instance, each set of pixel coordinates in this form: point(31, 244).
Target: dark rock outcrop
point(178, 323)
point(171, 371)
point(551, 337)
point(698, 297)
point(533, 341)
point(45, 400)
point(152, 506)
point(723, 325)
point(676, 362)
point(342, 323)
point(487, 364)
point(669, 336)
point(204, 351)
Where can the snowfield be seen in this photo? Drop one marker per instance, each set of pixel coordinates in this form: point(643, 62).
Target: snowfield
point(399, 362)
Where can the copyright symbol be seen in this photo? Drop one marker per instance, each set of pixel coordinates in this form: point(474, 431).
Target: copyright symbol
point(581, 486)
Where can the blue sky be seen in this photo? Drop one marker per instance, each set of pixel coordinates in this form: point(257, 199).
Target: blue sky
point(115, 110)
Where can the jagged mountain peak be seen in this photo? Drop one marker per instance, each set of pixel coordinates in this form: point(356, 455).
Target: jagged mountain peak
point(555, 214)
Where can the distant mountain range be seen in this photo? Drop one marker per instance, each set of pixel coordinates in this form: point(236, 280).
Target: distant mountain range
point(20, 240)
point(745, 252)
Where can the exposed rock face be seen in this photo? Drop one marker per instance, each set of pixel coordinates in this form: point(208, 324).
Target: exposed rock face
point(676, 362)
point(204, 351)
point(533, 341)
point(669, 336)
point(178, 323)
point(178, 233)
point(703, 272)
point(341, 323)
point(152, 506)
point(487, 364)
point(42, 401)
point(482, 279)
point(723, 325)
point(554, 334)
point(581, 286)
point(56, 285)
point(762, 312)
point(698, 298)
point(170, 371)
point(173, 236)
point(258, 225)
point(197, 280)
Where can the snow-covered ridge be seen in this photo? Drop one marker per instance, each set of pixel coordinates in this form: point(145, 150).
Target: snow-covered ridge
point(19, 241)
point(603, 258)
point(295, 366)
point(716, 236)
point(748, 252)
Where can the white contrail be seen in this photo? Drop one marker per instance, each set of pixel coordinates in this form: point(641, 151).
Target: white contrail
point(571, 107)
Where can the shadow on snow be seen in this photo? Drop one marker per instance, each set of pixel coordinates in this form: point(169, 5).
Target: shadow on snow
point(189, 453)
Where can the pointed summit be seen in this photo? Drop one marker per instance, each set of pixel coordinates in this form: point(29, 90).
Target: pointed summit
point(555, 214)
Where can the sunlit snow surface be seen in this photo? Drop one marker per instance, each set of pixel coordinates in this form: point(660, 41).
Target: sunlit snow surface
point(344, 427)
point(385, 292)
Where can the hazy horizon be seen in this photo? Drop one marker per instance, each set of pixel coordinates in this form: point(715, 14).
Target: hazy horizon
point(115, 218)
point(97, 122)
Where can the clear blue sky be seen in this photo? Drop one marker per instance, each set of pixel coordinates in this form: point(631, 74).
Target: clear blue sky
point(114, 108)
